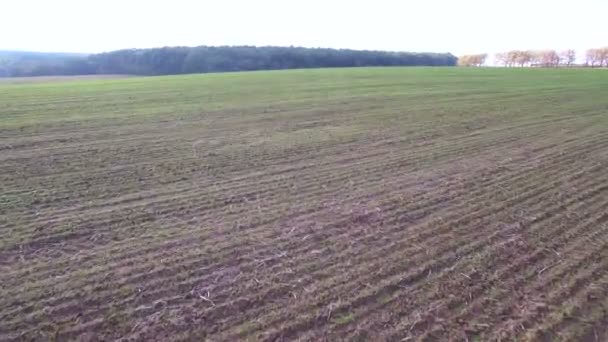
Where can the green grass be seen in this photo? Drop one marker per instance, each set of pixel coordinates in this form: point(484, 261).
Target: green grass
point(344, 318)
point(445, 90)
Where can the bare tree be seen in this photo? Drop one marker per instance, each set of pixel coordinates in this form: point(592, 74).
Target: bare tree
point(523, 58)
point(501, 58)
point(602, 56)
point(536, 58)
point(512, 57)
point(568, 57)
point(481, 58)
point(549, 58)
point(464, 60)
point(591, 57)
point(472, 60)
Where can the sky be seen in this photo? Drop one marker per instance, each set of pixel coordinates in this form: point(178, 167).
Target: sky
point(460, 27)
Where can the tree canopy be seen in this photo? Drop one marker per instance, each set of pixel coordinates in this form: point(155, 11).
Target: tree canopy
point(202, 59)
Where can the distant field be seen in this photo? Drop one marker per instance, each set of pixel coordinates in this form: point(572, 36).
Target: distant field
point(47, 79)
point(375, 203)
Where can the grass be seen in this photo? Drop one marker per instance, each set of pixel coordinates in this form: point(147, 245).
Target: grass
point(343, 319)
point(420, 202)
point(182, 97)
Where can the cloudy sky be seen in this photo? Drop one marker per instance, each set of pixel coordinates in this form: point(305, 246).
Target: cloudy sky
point(463, 26)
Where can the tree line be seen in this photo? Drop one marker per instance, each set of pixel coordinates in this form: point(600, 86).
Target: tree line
point(597, 57)
point(539, 58)
point(203, 59)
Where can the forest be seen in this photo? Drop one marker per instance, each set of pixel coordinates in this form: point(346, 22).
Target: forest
point(204, 59)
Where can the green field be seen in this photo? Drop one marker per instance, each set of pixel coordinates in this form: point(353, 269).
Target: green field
point(369, 203)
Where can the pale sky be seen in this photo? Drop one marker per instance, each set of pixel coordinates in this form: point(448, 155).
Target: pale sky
point(463, 26)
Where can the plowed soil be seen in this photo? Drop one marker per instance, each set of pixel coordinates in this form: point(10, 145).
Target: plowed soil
point(347, 204)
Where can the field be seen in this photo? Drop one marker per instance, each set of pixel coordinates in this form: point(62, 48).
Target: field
point(359, 204)
point(47, 79)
